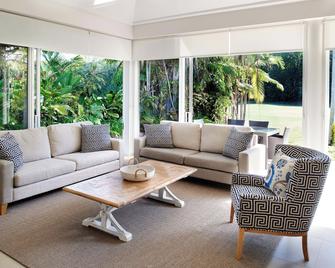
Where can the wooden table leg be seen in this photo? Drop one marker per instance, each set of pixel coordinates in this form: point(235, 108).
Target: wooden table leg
point(239, 247)
point(232, 213)
point(3, 209)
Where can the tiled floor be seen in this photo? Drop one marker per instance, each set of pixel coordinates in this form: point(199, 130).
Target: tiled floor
point(289, 253)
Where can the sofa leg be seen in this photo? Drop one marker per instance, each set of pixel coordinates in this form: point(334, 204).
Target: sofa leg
point(239, 247)
point(232, 213)
point(3, 209)
point(305, 247)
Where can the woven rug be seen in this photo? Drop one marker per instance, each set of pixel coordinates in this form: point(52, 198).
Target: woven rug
point(46, 231)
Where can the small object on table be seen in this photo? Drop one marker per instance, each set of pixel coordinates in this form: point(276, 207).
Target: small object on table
point(138, 172)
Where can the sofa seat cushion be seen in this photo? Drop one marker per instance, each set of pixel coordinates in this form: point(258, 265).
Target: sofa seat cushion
point(174, 155)
point(40, 170)
point(90, 159)
point(212, 161)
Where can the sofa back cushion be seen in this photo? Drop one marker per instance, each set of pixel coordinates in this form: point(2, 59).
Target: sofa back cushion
point(214, 137)
point(34, 143)
point(65, 138)
point(186, 135)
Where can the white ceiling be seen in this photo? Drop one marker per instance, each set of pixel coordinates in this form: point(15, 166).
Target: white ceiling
point(134, 12)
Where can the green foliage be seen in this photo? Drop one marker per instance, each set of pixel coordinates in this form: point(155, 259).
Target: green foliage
point(77, 89)
point(333, 134)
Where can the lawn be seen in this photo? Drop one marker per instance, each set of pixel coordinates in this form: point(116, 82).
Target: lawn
point(280, 116)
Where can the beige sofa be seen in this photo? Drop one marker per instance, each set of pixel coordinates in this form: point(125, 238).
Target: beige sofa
point(52, 159)
point(201, 146)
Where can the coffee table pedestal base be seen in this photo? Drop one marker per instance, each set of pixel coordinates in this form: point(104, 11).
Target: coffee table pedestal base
point(165, 195)
point(106, 222)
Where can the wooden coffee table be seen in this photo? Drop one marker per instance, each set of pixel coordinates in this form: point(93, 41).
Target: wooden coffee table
point(112, 192)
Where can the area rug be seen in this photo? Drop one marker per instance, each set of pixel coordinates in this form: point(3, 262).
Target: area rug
point(46, 231)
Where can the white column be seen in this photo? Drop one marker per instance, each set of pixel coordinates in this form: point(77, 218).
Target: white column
point(190, 89)
point(181, 106)
point(31, 87)
point(315, 87)
point(38, 89)
point(131, 116)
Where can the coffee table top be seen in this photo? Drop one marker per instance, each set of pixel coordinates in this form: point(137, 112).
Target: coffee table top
point(110, 189)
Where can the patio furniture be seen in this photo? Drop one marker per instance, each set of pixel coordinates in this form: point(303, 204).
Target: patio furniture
point(259, 210)
point(275, 139)
point(199, 121)
point(264, 133)
point(253, 123)
point(113, 192)
point(236, 122)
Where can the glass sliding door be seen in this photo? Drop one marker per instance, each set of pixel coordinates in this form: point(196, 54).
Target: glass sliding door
point(159, 83)
point(13, 85)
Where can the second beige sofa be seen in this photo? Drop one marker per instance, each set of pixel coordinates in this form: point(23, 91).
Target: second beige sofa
point(201, 146)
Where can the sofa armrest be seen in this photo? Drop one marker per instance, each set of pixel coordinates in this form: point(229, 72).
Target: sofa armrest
point(6, 181)
point(139, 143)
point(117, 144)
point(251, 161)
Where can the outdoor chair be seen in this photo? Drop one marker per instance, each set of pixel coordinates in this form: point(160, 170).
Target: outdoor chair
point(253, 123)
point(258, 210)
point(275, 140)
point(236, 122)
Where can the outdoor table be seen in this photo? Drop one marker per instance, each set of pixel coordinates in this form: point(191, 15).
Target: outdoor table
point(265, 132)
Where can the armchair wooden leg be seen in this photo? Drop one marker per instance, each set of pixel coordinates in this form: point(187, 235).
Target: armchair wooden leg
point(3, 209)
point(232, 213)
point(305, 247)
point(239, 247)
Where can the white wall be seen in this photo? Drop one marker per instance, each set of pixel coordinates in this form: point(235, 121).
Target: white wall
point(23, 31)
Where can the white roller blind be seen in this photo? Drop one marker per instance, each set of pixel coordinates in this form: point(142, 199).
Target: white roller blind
point(267, 39)
point(23, 31)
point(329, 35)
point(185, 46)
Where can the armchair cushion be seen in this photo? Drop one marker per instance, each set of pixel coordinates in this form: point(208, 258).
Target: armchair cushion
point(279, 174)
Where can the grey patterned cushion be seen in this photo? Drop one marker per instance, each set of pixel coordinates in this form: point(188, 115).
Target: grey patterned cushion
point(237, 142)
point(158, 135)
point(10, 150)
point(95, 138)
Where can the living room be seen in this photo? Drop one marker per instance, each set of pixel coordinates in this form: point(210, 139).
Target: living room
point(156, 133)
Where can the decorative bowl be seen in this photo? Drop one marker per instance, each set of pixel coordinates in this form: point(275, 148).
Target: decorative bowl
point(137, 173)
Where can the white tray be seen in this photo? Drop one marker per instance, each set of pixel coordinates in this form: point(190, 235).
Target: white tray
point(139, 172)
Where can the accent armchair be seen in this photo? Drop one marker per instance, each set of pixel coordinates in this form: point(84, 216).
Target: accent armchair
point(258, 210)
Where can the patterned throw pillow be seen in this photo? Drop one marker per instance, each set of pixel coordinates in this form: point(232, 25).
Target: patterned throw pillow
point(95, 138)
point(158, 135)
point(279, 174)
point(10, 150)
point(237, 142)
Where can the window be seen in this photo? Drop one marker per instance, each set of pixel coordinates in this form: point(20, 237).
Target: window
point(13, 84)
point(265, 87)
point(78, 88)
point(159, 82)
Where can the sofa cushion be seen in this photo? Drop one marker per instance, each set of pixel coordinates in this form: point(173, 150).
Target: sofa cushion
point(174, 155)
point(65, 138)
point(90, 159)
point(42, 170)
point(10, 150)
point(95, 138)
point(158, 135)
point(214, 137)
point(212, 161)
point(186, 135)
point(237, 142)
point(34, 143)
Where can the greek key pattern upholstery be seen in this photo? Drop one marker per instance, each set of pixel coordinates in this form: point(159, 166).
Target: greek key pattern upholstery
point(257, 208)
